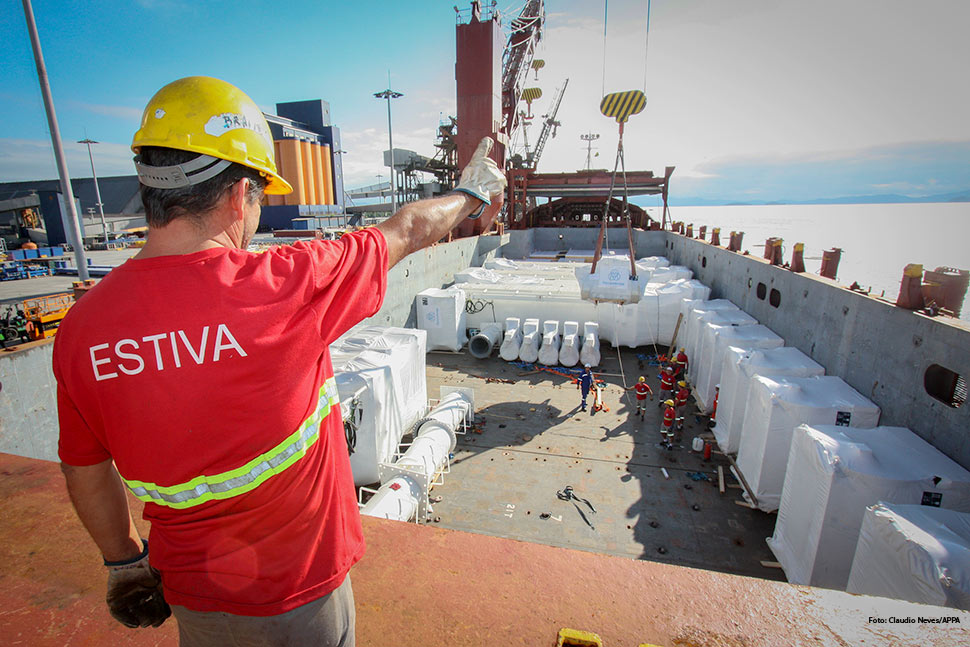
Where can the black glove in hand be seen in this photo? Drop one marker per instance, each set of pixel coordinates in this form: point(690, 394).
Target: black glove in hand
point(135, 596)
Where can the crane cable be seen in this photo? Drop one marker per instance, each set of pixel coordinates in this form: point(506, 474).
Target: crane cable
point(646, 45)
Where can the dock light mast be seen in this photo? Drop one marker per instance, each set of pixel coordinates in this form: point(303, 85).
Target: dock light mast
point(75, 228)
point(97, 191)
point(589, 138)
point(390, 94)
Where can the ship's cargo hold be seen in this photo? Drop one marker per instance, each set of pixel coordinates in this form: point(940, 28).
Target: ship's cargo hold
point(590, 353)
point(830, 263)
point(482, 344)
point(650, 321)
point(720, 331)
point(403, 494)
point(442, 314)
point(569, 350)
point(512, 341)
point(531, 338)
point(549, 351)
point(740, 366)
point(833, 473)
point(910, 288)
point(915, 553)
point(380, 375)
point(776, 405)
point(693, 312)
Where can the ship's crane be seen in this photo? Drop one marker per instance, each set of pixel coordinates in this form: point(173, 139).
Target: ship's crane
point(549, 126)
point(525, 33)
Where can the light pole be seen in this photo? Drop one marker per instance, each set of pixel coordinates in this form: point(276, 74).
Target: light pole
point(97, 191)
point(589, 138)
point(72, 227)
point(343, 192)
point(390, 94)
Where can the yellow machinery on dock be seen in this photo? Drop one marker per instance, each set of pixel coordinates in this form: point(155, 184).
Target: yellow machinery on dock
point(44, 314)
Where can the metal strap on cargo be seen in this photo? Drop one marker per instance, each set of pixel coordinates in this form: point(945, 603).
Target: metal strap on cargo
point(243, 479)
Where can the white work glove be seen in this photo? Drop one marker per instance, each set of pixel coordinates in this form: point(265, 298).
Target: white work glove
point(135, 596)
point(482, 178)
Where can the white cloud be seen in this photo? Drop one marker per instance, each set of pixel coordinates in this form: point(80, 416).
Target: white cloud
point(119, 112)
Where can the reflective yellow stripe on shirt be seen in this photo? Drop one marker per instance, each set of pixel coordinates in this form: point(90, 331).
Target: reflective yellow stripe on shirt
point(248, 477)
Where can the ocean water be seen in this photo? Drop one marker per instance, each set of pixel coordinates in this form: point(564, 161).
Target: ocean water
point(877, 240)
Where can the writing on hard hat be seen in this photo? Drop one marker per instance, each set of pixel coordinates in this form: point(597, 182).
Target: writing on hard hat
point(210, 117)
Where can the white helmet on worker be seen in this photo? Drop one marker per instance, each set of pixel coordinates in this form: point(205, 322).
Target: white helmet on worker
point(586, 366)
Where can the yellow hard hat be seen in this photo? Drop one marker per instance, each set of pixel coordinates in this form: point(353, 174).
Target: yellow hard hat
point(669, 403)
point(643, 379)
point(682, 383)
point(683, 350)
point(210, 117)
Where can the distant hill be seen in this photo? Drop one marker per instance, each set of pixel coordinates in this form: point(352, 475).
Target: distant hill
point(886, 198)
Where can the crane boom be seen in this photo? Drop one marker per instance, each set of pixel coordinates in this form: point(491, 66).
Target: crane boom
point(549, 126)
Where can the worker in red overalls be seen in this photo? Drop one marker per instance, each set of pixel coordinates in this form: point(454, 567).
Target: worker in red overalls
point(666, 383)
point(642, 389)
point(683, 393)
point(680, 363)
point(667, 430)
point(713, 420)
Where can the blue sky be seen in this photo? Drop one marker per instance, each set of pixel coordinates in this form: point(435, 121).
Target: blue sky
point(750, 99)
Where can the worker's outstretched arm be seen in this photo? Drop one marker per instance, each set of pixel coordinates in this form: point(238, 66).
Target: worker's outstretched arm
point(419, 224)
point(134, 594)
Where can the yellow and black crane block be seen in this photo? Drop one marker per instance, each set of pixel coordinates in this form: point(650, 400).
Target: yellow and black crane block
point(622, 105)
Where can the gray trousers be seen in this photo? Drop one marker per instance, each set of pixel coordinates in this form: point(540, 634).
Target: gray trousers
point(326, 622)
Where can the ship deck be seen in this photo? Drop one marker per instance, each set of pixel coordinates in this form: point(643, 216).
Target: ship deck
point(534, 441)
point(426, 585)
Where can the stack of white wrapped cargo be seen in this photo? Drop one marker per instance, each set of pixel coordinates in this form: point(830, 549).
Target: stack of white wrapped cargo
point(776, 405)
point(833, 474)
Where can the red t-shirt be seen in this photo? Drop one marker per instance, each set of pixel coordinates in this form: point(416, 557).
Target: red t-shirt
point(207, 378)
point(669, 414)
point(642, 390)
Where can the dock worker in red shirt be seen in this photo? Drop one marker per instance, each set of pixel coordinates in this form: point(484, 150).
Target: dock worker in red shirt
point(198, 375)
point(666, 384)
point(683, 394)
point(680, 363)
point(642, 390)
point(667, 430)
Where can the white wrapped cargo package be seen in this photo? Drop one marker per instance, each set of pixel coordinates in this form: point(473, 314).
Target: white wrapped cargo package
point(915, 553)
point(776, 405)
point(690, 327)
point(612, 281)
point(698, 290)
point(719, 333)
point(544, 301)
point(549, 351)
point(672, 273)
point(441, 313)
point(383, 369)
point(531, 337)
point(833, 473)
point(669, 297)
point(739, 367)
point(512, 340)
point(569, 351)
point(590, 353)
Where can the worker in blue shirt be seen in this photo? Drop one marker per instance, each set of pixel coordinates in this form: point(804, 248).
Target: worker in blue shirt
point(585, 384)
